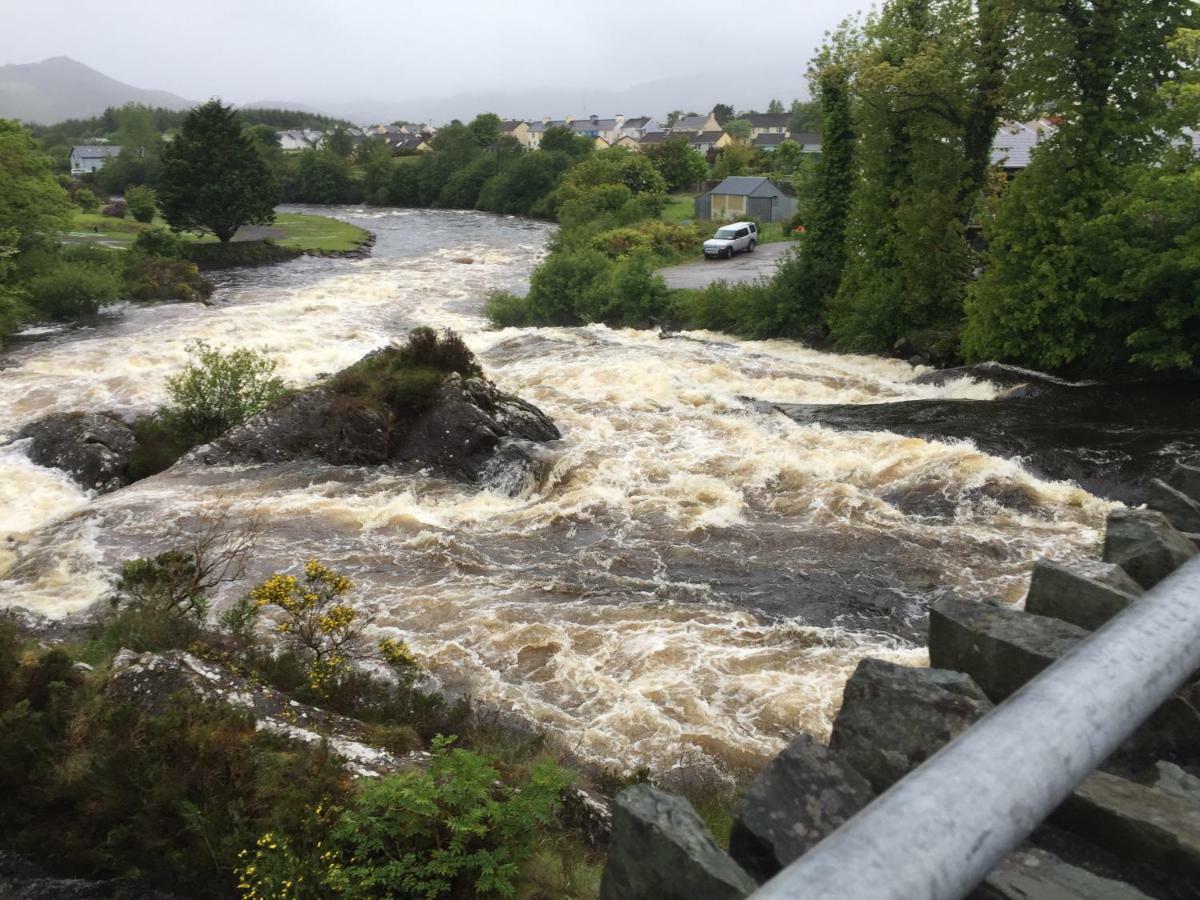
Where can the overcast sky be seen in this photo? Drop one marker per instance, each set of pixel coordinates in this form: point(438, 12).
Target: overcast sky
point(323, 51)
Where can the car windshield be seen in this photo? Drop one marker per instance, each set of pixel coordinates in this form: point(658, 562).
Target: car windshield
point(725, 234)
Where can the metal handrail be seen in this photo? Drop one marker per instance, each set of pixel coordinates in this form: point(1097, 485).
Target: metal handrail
point(940, 830)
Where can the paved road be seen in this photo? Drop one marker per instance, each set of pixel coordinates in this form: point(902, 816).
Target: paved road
point(743, 267)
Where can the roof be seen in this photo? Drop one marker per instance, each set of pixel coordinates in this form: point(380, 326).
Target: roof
point(748, 186)
point(1015, 141)
point(690, 123)
point(768, 120)
point(95, 151)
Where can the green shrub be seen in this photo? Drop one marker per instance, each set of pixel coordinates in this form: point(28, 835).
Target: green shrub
point(70, 290)
point(453, 830)
point(161, 242)
point(506, 310)
point(218, 391)
point(163, 278)
point(86, 200)
point(141, 203)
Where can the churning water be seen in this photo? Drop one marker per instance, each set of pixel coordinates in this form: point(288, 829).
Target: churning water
point(693, 580)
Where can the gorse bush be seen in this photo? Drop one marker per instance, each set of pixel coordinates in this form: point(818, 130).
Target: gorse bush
point(218, 390)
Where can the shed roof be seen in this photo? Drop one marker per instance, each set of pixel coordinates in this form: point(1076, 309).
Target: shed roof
point(748, 186)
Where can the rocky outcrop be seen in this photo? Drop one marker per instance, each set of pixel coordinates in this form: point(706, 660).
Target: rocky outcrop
point(1181, 510)
point(1032, 874)
point(1086, 593)
point(93, 448)
point(894, 717)
point(804, 794)
point(999, 648)
point(458, 433)
point(1143, 543)
point(1135, 822)
point(661, 850)
point(151, 680)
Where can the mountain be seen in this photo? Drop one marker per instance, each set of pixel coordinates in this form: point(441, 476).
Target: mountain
point(61, 88)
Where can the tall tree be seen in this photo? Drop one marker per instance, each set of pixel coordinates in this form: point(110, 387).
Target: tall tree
point(214, 180)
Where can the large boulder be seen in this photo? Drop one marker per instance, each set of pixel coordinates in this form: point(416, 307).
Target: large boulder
point(1032, 874)
point(1136, 823)
point(661, 850)
point(1086, 593)
point(894, 717)
point(93, 448)
point(1143, 543)
point(458, 433)
point(1185, 477)
point(803, 795)
point(1000, 648)
point(1181, 510)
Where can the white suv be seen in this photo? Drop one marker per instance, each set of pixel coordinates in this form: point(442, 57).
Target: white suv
point(731, 239)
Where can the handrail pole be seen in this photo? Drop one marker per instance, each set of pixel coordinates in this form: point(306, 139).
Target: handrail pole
point(940, 830)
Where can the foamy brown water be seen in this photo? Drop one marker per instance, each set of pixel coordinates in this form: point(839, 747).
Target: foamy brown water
point(694, 580)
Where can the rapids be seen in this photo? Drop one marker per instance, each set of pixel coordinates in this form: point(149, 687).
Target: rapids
point(692, 582)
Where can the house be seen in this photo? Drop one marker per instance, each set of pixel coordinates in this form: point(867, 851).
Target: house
point(91, 157)
point(297, 140)
point(767, 123)
point(739, 196)
point(696, 124)
point(709, 140)
point(640, 126)
point(518, 129)
point(1014, 143)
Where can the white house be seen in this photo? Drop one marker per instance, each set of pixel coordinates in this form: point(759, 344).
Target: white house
point(90, 157)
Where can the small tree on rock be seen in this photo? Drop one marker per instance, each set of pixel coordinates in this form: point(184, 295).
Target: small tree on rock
point(214, 179)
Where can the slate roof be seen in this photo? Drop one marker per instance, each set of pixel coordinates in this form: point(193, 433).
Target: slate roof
point(95, 151)
point(748, 186)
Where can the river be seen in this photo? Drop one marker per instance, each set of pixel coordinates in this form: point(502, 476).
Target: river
point(692, 582)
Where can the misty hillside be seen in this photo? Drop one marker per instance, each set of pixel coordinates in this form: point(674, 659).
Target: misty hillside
point(61, 88)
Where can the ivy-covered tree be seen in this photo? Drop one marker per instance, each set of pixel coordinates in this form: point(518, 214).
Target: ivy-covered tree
point(214, 180)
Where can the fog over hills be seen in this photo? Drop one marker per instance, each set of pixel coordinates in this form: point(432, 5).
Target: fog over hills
point(61, 88)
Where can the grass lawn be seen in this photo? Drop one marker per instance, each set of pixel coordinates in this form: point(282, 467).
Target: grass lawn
point(296, 230)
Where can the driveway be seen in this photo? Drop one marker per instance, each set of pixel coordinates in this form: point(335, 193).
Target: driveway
point(743, 267)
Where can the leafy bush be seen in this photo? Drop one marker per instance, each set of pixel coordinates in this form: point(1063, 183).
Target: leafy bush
point(70, 289)
point(86, 200)
point(141, 202)
point(453, 830)
point(220, 390)
point(162, 278)
point(116, 209)
point(161, 242)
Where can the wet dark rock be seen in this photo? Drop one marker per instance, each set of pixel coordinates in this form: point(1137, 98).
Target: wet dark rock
point(457, 435)
point(152, 680)
point(803, 795)
point(999, 648)
point(1143, 543)
point(1137, 823)
point(1033, 874)
point(895, 717)
point(93, 448)
point(1111, 439)
point(1181, 510)
point(1186, 478)
point(1086, 593)
point(21, 880)
point(661, 850)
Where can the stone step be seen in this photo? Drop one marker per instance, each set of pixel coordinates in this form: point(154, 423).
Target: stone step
point(1086, 593)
